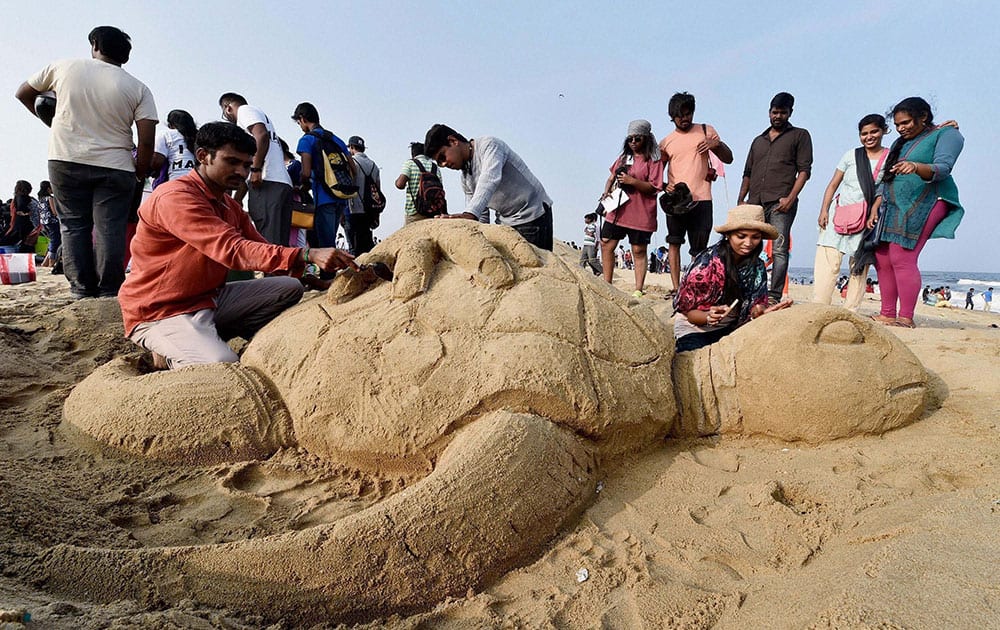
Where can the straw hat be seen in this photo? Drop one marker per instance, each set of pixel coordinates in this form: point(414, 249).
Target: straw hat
point(747, 218)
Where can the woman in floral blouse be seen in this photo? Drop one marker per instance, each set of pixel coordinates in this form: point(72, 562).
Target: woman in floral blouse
point(726, 285)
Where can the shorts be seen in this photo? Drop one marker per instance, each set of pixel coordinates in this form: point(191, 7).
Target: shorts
point(697, 224)
point(614, 232)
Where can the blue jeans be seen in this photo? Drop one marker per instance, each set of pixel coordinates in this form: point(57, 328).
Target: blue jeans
point(93, 211)
point(782, 221)
point(327, 220)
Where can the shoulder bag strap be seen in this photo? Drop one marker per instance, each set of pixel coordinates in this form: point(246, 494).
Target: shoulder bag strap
point(881, 161)
point(420, 167)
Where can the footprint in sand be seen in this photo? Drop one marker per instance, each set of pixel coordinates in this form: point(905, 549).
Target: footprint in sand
point(717, 459)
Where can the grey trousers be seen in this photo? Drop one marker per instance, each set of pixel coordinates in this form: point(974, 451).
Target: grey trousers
point(270, 208)
point(242, 309)
point(93, 212)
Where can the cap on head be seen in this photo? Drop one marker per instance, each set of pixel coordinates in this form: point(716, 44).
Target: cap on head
point(357, 142)
point(640, 128)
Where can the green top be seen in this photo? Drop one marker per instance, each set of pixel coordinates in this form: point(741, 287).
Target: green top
point(908, 199)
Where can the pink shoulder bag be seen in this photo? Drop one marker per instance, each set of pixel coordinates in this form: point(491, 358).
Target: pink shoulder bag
point(851, 219)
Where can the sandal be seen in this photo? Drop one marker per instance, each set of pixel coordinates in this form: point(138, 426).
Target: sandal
point(882, 319)
point(903, 323)
point(637, 293)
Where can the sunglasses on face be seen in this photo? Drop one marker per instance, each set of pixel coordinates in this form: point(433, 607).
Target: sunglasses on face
point(634, 138)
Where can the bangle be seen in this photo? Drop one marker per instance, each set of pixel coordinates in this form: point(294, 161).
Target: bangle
point(305, 254)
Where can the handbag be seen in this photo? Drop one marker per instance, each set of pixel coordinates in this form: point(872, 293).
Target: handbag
point(615, 199)
point(851, 219)
point(303, 215)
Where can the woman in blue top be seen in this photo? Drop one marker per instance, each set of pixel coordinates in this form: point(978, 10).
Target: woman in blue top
point(919, 201)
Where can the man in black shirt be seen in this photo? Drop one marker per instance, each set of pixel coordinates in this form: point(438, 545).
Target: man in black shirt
point(777, 167)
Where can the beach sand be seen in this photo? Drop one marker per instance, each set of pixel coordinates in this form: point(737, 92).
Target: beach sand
point(895, 531)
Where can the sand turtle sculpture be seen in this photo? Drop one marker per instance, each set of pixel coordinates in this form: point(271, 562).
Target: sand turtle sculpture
point(498, 375)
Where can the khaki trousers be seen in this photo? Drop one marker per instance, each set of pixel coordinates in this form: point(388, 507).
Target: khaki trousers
point(825, 272)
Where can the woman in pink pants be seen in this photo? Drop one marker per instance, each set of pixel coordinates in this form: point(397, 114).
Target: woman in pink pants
point(919, 201)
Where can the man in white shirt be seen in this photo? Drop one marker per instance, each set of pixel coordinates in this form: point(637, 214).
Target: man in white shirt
point(94, 175)
point(494, 177)
point(270, 195)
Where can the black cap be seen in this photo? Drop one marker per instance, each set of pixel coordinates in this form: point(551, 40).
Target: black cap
point(357, 142)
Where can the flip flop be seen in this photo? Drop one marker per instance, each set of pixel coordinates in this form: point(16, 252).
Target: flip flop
point(881, 319)
point(902, 324)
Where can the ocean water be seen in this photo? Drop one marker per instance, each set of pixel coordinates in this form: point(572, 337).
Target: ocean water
point(965, 279)
point(959, 281)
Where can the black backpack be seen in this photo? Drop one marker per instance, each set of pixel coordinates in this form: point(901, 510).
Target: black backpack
point(372, 198)
point(430, 200)
point(337, 179)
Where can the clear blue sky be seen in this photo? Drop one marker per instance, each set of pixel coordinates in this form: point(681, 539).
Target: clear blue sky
point(559, 81)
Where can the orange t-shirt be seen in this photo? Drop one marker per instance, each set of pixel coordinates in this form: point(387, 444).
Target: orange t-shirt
point(186, 242)
point(679, 151)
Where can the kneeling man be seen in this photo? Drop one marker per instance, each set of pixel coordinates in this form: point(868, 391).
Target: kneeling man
point(176, 302)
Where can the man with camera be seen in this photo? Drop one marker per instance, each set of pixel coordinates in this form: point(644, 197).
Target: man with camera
point(688, 196)
point(778, 165)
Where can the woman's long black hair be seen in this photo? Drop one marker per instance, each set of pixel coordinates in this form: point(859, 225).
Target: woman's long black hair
point(732, 290)
point(916, 107)
point(184, 123)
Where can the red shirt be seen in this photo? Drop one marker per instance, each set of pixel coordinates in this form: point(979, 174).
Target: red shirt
point(186, 242)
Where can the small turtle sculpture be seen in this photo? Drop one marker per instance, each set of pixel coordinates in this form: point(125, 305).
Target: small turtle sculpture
point(498, 374)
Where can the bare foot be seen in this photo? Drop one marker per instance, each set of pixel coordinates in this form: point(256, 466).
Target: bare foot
point(160, 362)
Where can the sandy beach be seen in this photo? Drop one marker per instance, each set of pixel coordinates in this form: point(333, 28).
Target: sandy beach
point(894, 531)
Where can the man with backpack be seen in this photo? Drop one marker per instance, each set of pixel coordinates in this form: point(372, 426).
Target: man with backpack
point(421, 180)
point(494, 177)
point(270, 188)
point(369, 203)
point(328, 171)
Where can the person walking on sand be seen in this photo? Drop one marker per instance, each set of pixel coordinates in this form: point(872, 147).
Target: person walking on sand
point(968, 299)
point(588, 255)
point(638, 171)
point(988, 299)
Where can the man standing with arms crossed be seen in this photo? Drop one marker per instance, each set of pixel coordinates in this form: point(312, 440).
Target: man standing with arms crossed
point(777, 167)
point(93, 173)
point(270, 194)
point(685, 152)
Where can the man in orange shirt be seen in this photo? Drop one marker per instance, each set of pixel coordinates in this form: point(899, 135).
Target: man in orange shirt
point(176, 302)
point(685, 152)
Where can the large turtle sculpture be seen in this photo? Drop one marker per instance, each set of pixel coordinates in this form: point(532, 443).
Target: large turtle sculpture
point(499, 375)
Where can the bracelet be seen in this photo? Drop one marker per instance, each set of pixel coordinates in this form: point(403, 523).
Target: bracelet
point(305, 254)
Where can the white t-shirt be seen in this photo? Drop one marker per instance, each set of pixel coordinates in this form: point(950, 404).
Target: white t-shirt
point(171, 145)
point(274, 161)
point(96, 105)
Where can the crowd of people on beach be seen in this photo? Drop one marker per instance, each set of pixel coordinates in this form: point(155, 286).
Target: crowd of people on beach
point(182, 242)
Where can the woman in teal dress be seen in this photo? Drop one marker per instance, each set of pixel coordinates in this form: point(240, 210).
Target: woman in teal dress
point(919, 201)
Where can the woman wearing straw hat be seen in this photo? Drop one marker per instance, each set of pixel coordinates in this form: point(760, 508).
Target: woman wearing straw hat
point(726, 285)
